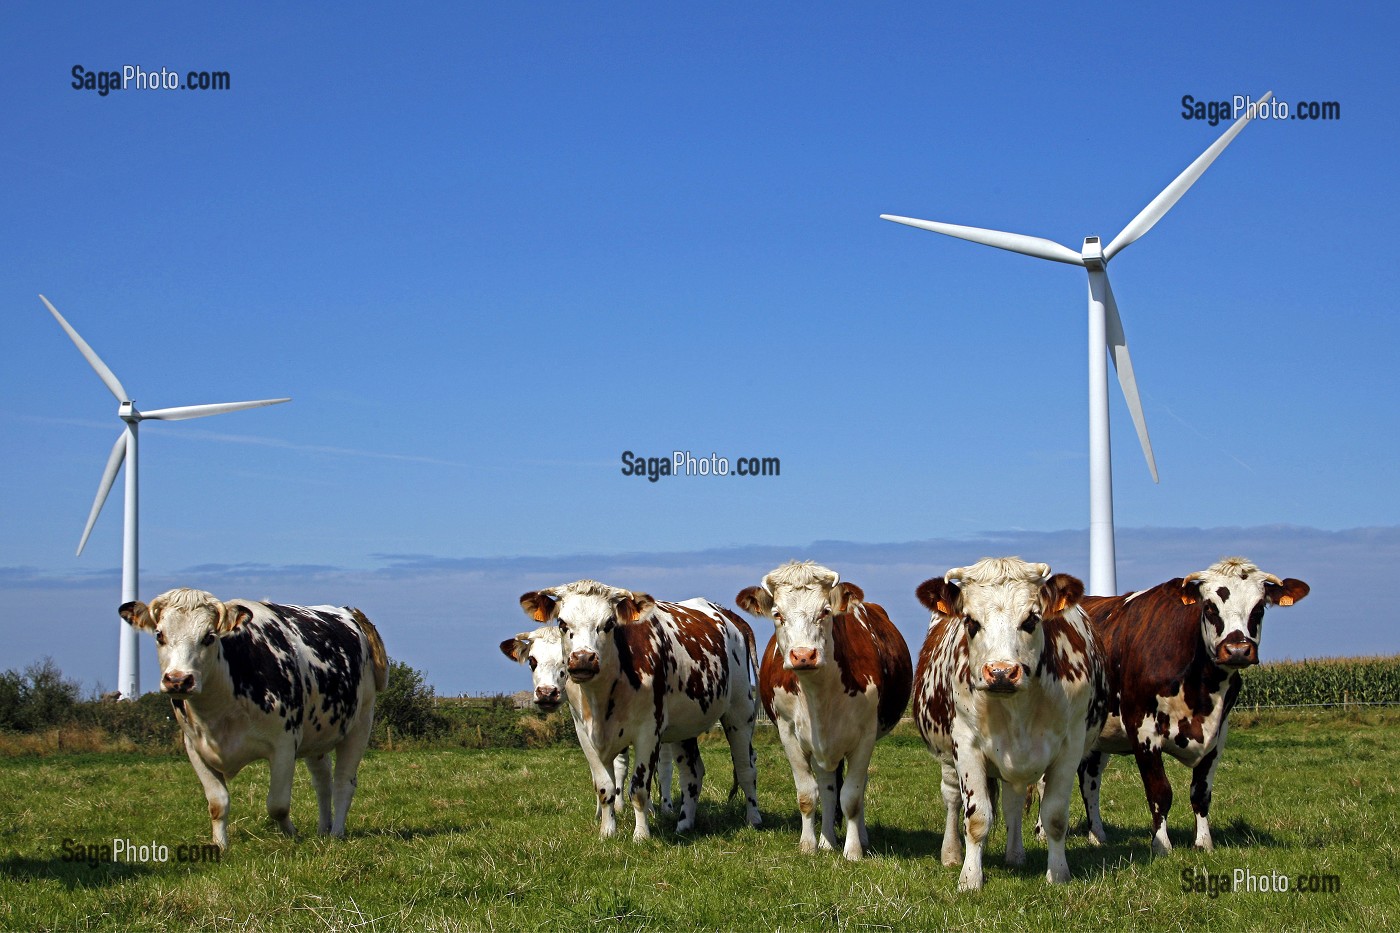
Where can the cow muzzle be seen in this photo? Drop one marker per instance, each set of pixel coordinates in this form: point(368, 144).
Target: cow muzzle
point(548, 698)
point(177, 682)
point(583, 666)
point(1002, 677)
point(804, 659)
point(1237, 653)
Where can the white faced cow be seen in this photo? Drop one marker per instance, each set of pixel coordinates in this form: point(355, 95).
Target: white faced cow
point(250, 680)
point(1010, 687)
point(650, 672)
point(1175, 654)
point(543, 652)
point(835, 677)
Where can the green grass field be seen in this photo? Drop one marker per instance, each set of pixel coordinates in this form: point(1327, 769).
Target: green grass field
point(504, 839)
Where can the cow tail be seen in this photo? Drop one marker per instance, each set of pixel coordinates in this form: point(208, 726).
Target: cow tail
point(377, 654)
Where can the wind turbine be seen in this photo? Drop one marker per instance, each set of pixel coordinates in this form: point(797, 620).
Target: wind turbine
point(128, 658)
point(1105, 333)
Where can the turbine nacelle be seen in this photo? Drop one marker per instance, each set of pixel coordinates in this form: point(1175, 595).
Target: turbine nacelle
point(1092, 254)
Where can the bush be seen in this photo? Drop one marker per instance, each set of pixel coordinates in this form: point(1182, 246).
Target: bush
point(406, 707)
point(147, 722)
point(37, 699)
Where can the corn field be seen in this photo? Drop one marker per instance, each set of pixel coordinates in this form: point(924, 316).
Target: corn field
point(1323, 682)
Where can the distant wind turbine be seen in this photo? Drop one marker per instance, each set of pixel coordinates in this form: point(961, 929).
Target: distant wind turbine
point(1105, 333)
point(128, 659)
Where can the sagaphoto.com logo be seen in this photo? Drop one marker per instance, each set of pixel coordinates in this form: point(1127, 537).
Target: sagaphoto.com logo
point(685, 463)
point(135, 77)
point(127, 852)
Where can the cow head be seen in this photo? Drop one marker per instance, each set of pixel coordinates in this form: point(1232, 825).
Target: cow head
point(1233, 595)
point(187, 625)
point(1001, 603)
point(587, 613)
point(543, 651)
point(801, 599)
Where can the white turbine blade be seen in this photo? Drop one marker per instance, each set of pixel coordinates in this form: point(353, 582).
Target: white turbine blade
point(1036, 246)
point(109, 476)
point(1123, 365)
point(1163, 202)
point(199, 411)
point(108, 377)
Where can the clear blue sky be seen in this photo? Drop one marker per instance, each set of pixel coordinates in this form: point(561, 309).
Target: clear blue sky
point(487, 248)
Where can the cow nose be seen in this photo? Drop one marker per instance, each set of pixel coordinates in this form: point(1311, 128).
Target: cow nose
point(547, 696)
point(583, 664)
point(177, 682)
point(804, 659)
point(1238, 653)
point(1001, 675)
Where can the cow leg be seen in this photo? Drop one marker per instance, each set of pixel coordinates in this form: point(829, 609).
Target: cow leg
point(853, 799)
point(828, 787)
point(1091, 771)
point(282, 765)
point(1202, 784)
point(692, 776)
point(665, 775)
point(738, 730)
point(347, 768)
point(215, 792)
point(1159, 796)
point(952, 853)
point(1054, 813)
point(977, 821)
point(604, 786)
point(805, 782)
point(647, 750)
point(619, 779)
point(1011, 808)
point(319, 767)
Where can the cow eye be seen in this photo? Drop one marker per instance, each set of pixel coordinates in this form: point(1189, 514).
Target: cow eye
point(973, 626)
point(777, 616)
point(826, 611)
point(608, 625)
point(208, 639)
point(563, 626)
point(533, 664)
point(160, 638)
point(1030, 623)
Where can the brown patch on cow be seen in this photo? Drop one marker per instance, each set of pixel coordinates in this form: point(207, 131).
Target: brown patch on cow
point(1224, 594)
point(942, 662)
point(377, 654)
point(869, 649)
point(216, 810)
point(702, 640)
point(772, 677)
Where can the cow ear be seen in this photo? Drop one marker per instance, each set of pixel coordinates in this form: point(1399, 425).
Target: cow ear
point(1060, 592)
point(137, 615)
point(1190, 592)
point(540, 605)
point(517, 648)
point(939, 595)
point(1286, 592)
point(756, 601)
point(232, 615)
point(843, 594)
point(634, 607)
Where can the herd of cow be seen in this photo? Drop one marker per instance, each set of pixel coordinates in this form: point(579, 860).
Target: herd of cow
point(1022, 681)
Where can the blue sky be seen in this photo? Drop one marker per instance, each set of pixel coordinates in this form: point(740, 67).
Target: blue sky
point(488, 248)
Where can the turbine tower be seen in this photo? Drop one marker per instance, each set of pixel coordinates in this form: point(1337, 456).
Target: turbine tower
point(1105, 333)
point(128, 658)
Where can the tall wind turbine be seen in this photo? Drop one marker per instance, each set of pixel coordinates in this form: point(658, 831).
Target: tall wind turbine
point(128, 658)
point(1105, 333)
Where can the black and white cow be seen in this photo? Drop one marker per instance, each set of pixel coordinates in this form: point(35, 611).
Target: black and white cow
point(251, 680)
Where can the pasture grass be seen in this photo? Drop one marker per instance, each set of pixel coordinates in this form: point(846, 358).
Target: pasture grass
point(462, 839)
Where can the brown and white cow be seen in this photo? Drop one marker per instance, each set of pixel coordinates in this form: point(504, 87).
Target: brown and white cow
point(543, 652)
point(1010, 687)
point(651, 672)
point(1175, 653)
point(835, 677)
point(251, 680)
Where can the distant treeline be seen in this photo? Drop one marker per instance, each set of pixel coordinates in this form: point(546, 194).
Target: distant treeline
point(43, 713)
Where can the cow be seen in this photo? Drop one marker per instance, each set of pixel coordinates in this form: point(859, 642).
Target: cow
point(650, 672)
point(250, 680)
point(1010, 687)
point(835, 678)
point(1175, 653)
point(543, 652)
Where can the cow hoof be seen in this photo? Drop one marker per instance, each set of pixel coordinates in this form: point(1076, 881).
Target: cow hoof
point(970, 882)
point(685, 826)
point(807, 846)
point(1160, 848)
point(854, 855)
point(1205, 845)
point(1016, 859)
point(1096, 839)
point(1060, 876)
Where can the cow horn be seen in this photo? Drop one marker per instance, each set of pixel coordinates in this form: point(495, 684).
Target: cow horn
point(1270, 578)
point(955, 575)
point(1198, 575)
point(1044, 572)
